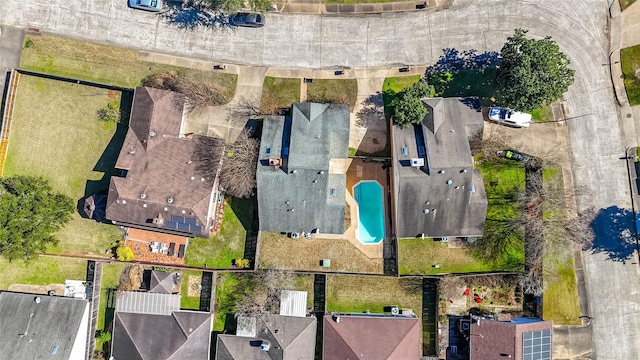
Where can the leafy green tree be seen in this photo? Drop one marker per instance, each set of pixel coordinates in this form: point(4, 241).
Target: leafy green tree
point(103, 335)
point(532, 72)
point(125, 253)
point(408, 108)
point(30, 212)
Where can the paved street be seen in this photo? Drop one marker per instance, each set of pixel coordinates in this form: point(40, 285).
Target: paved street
point(416, 38)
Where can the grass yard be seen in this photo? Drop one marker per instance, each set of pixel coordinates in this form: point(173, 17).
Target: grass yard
point(219, 250)
point(342, 91)
point(74, 150)
point(625, 3)
point(560, 297)
point(305, 283)
point(100, 63)
point(186, 301)
point(542, 114)
point(500, 245)
point(277, 251)
point(44, 270)
point(279, 93)
point(391, 87)
point(417, 257)
point(478, 82)
point(227, 286)
point(359, 294)
point(630, 58)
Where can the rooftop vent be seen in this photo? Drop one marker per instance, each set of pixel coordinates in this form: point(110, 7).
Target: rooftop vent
point(449, 182)
point(184, 212)
point(144, 205)
point(417, 162)
point(54, 350)
point(152, 133)
point(170, 200)
point(275, 161)
point(124, 201)
point(321, 172)
point(425, 211)
point(193, 178)
point(473, 188)
point(405, 151)
point(166, 208)
point(202, 179)
point(143, 196)
point(37, 299)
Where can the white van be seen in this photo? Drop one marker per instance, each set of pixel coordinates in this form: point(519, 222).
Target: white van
point(509, 117)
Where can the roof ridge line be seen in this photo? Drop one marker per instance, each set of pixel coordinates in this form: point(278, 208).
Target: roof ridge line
point(186, 335)
point(404, 337)
point(128, 335)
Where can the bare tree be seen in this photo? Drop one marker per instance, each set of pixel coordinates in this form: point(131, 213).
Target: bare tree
point(531, 283)
point(263, 297)
point(199, 91)
point(242, 109)
point(238, 173)
point(207, 157)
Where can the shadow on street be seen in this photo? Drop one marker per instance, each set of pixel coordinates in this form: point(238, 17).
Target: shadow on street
point(614, 232)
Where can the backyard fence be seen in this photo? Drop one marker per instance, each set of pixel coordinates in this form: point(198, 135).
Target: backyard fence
point(7, 116)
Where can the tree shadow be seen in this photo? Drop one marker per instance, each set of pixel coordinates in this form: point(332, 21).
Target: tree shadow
point(453, 60)
point(107, 161)
point(614, 233)
point(189, 15)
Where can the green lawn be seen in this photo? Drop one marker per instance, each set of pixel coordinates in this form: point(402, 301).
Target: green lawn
point(477, 82)
point(44, 270)
point(418, 257)
point(359, 294)
point(502, 245)
point(60, 120)
point(227, 288)
point(110, 277)
point(391, 87)
point(279, 93)
point(560, 298)
point(542, 114)
point(341, 91)
point(220, 250)
point(186, 301)
point(625, 3)
point(100, 63)
point(630, 58)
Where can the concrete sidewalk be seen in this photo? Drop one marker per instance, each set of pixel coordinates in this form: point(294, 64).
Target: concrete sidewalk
point(317, 7)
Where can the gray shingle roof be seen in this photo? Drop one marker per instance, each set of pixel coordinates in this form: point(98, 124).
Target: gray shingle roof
point(56, 321)
point(291, 338)
point(446, 197)
point(297, 195)
point(161, 282)
point(160, 166)
point(181, 335)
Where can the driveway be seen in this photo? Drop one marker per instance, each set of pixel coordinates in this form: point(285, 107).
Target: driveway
point(311, 41)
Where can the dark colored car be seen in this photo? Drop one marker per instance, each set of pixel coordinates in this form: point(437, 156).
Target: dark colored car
point(252, 20)
point(148, 5)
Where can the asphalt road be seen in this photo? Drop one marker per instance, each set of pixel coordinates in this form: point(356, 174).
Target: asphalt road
point(311, 41)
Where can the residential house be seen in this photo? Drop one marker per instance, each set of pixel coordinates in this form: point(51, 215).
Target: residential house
point(151, 326)
point(519, 338)
point(301, 175)
point(163, 186)
point(276, 337)
point(161, 282)
point(371, 337)
point(41, 327)
point(437, 193)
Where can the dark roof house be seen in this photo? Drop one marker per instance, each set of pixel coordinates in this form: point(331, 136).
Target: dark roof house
point(371, 337)
point(160, 281)
point(521, 338)
point(301, 179)
point(158, 334)
point(163, 189)
point(436, 190)
point(276, 338)
point(42, 327)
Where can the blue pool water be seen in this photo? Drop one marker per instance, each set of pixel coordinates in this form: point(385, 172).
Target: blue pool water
point(370, 229)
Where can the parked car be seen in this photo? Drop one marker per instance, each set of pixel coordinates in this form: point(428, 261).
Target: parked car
point(513, 155)
point(148, 5)
point(509, 117)
point(252, 20)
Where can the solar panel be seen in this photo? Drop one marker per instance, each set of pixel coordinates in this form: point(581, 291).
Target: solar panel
point(171, 224)
point(536, 345)
point(190, 221)
point(183, 226)
point(195, 228)
point(178, 219)
point(420, 150)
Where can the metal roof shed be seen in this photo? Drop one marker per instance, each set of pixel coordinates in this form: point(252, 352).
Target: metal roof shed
point(293, 303)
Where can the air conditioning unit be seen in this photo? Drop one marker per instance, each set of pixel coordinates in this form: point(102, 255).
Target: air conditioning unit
point(444, 239)
point(275, 161)
point(295, 235)
point(395, 310)
point(417, 162)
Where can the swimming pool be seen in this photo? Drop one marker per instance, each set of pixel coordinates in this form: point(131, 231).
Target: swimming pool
point(368, 195)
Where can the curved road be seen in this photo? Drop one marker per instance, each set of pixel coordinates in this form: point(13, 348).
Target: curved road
point(416, 38)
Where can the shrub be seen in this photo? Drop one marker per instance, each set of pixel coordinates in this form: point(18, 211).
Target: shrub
point(125, 253)
point(103, 335)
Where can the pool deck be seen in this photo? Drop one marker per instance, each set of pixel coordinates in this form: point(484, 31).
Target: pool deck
point(357, 171)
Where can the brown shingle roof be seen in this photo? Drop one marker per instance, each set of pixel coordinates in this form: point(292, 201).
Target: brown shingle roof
point(499, 339)
point(371, 338)
point(161, 167)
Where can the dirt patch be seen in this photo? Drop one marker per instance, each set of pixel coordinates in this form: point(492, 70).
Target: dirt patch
point(131, 278)
point(194, 286)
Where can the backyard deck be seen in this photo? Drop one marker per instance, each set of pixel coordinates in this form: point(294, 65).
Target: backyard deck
point(171, 248)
